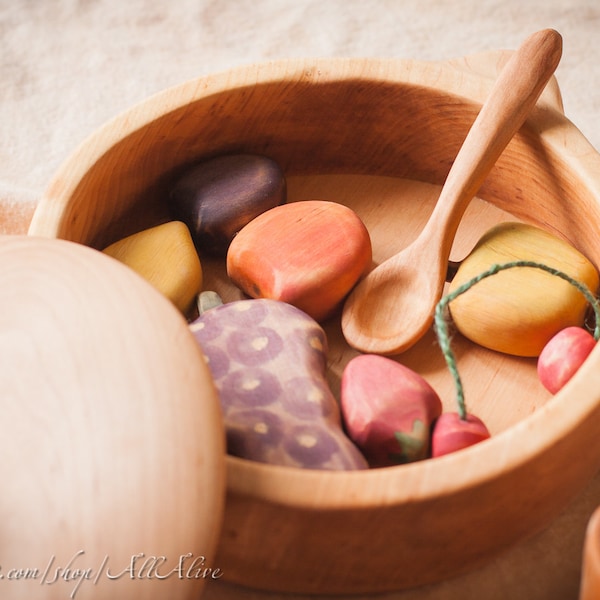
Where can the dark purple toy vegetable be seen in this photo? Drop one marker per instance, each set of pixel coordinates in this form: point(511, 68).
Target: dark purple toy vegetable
point(217, 197)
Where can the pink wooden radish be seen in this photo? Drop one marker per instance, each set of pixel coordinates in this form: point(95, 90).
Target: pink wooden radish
point(562, 356)
point(451, 433)
point(388, 409)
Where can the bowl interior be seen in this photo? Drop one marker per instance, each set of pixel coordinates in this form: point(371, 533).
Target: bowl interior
point(380, 137)
point(378, 144)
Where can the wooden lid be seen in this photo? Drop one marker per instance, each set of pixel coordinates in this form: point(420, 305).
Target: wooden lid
point(111, 436)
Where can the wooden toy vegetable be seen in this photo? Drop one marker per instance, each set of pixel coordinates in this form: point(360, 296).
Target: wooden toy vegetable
point(388, 409)
point(217, 197)
point(309, 254)
point(206, 300)
point(562, 356)
point(268, 361)
point(165, 256)
point(519, 310)
point(453, 432)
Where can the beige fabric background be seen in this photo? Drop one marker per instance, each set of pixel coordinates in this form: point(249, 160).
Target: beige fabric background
point(69, 65)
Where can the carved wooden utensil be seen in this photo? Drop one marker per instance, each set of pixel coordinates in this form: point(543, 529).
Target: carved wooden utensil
point(392, 307)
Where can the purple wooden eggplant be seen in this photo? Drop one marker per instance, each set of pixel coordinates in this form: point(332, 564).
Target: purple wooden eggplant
point(268, 361)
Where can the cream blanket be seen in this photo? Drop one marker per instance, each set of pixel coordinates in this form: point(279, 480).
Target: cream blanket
point(69, 65)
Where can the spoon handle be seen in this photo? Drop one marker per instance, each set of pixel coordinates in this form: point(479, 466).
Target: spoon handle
point(513, 95)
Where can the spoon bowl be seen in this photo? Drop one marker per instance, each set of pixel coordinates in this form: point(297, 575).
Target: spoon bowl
point(388, 297)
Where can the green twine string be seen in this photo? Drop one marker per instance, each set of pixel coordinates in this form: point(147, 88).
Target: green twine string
point(442, 328)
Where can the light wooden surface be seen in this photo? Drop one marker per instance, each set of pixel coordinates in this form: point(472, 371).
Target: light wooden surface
point(393, 306)
point(306, 531)
point(107, 452)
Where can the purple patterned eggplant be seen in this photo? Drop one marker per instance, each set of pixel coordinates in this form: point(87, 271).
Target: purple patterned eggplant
point(268, 362)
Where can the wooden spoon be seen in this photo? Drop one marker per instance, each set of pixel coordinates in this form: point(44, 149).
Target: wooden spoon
point(392, 307)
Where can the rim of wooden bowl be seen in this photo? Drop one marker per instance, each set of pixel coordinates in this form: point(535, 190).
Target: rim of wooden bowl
point(552, 432)
point(47, 222)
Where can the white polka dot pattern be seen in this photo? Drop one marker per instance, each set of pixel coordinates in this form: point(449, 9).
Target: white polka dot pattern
point(268, 361)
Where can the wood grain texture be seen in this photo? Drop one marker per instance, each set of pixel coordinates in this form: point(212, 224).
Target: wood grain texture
point(394, 304)
point(357, 130)
point(111, 431)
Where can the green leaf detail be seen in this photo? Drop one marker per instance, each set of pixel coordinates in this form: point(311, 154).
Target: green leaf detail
point(413, 444)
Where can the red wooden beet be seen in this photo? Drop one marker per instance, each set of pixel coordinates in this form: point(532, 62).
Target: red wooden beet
point(388, 409)
point(451, 433)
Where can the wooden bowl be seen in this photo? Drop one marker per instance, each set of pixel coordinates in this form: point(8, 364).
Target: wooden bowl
point(378, 136)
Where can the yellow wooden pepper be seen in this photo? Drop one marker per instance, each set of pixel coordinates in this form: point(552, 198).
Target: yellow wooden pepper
point(518, 310)
point(165, 256)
